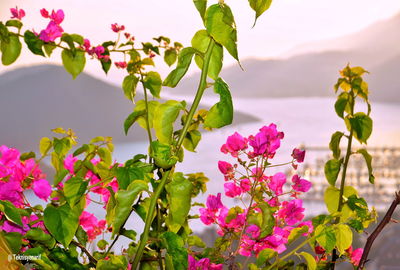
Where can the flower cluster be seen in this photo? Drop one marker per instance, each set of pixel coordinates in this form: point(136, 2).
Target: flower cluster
point(268, 195)
point(17, 13)
point(53, 29)
point(202, 264)
point(92, 225)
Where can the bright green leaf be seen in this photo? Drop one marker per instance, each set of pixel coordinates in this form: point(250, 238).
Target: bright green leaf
point(184, 59)
point(264, 256)
point(129, 86)
point(170, 56)
point(166, 114)
point(126, 175)
point(201, 6)
point(342, 104)
point(176, 250)
point(332, 169)
point(325, 236)
point(191, 140)
point(368, 161)
point(162, 155)
point(73, 63)
point(259, 6)
point(44, 145)
point(131, 119)
point(153, 82)
point(10, 49)
point(361, 125)
point(311, 263)
point(344, 237)
point(74, 189)
point(221, 114)
point(334, 144)
point(11, 212)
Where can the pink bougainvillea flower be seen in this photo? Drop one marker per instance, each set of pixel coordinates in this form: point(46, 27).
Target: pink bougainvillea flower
point(245, 185)
point(121, 65)
point(267, 141)
point(234, 144)
point(307, 223)
point(202, 264)
point(253, 230)
point(69, 163)
point(42, 189)
point(214, 202)
point(116, 28)
point(226, 169)
point(91, 225)
point(52, 31)
point(57, 16)
point(11, 191)
point(232, 190)
point(298, 155)
point(291, 211)
point(86, 44)
point(299, 184)
point(276, 183)
point(44, 13)
point(17, 13)
point(355, 256)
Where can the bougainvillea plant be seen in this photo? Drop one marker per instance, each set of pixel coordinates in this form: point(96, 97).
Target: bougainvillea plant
point(62, 233)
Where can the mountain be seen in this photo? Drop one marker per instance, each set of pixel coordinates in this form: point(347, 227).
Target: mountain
point(35, 99)
point(313, 70)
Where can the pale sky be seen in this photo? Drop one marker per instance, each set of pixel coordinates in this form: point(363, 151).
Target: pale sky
point(287, 24)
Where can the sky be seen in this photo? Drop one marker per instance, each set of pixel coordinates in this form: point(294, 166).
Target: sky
point(286, 25)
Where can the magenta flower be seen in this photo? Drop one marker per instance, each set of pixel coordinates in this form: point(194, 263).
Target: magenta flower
point(253, 230)
point(291, 211)
point(298, 155)
point(17, 13)
point(42, 189)
point(267, 141)
point(245, 185)
point(276, 183)
point(355, 256)
point(11, 191)
point(232, 190)
point(307, 223)
point(52, 31)
point(234, 144)
point(299, 184)
point(116, 28)
point(57, 16)
point(44, 13)
point(226, 169)
point(69, 163)
point(91, 225)
point(214, 202)
point(121, 65)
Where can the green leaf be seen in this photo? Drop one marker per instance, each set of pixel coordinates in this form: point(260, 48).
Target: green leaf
point(125, 175)
point(11, 212)
point(112, 263)
point(84, 148)
point(81, 235)
point(361, 125)
point(73, 63)
point(170, 56)
point(195, 241)
point(268, 220)
point(45, 145)
point(166, 114)
point(152, 108)
point(14, 240)
point(10, 49)
point(105, 155)
point(176, 250)
point(200, 42)
point(60, 175)
point(34, 43)
point(191, 140)
point(66, 258)
point(37, 234)
point(124, 201)
point(131, 119)
point(153, 82)
point(259, 6)
point(264, 256)
point(220, 24)
point(334, 144)
point(179, 194)
point(332, 169)
point(331, 198)
point(326, 237)
point(221, 114)
point(26, 156)
point(296, 233)
point(368, 160)
point(62, 222)
point(162, 155)
point(311, 263)
point(14, 23)
point(129, 86)
point(344, 237)
point(74, 189)
point(342, 104)
point(49, 48)
point(184, 59)
point(201, 6)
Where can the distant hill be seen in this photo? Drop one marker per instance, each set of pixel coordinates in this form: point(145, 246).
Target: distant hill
point(35, 99)
point(313, 70)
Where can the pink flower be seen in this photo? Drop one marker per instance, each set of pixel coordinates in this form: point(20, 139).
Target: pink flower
point(232, 190)
point(214, 202)
point(276, 183)
point(44, 13)
point(121, 65)
point(52, 31)
point(11, 191)
point(226, 169)
point(355, 256)
point(298, 155)
point(234, 144)
point(245, 185)
point(116, 28)
point(17, 13)
point(299, 184)
point(291, 211)
point(307, 223)
point(57, 17)
point(86, 44)
point(267, 141)
point(69, 163)
point(42, 189)
point(253, 230)
point(91, 225)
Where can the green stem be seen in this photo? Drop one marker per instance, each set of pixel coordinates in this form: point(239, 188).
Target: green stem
point(163, 181)
point(147, 109)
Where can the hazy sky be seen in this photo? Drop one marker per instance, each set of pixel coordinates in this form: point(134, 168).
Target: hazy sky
point(286, 25)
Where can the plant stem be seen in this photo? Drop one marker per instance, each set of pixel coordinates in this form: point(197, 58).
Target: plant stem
point(153, 201)
point(147, 109)
point(91, 258)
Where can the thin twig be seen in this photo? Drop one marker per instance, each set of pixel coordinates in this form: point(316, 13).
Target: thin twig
point(91, 258)
point(370, 240)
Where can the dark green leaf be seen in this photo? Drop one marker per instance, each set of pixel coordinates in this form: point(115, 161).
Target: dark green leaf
point(62, 222)
point(334, 144)
point(342, 104)
point(184, 59)
point(66, 259)
point(14, 240)
point(176, 249)
point(124, 201)
point(131, 119)
point(11, 212)
point(60, 176)
point(332, 169)
point(73, 63)
point(80, 150)
point(10, 49)
point(74, 189)
point(26, 156)
point(129, 86)
point(220, 24)
point(34, 43)
point(361, 125)
point(368, 161)
point(126, 175)
point(200, 42)
point(166, 114)
point(153, 82)
point(81, 235)
point(259, 6)
point(179, 192)
point(14, 23)
point(221, 114)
